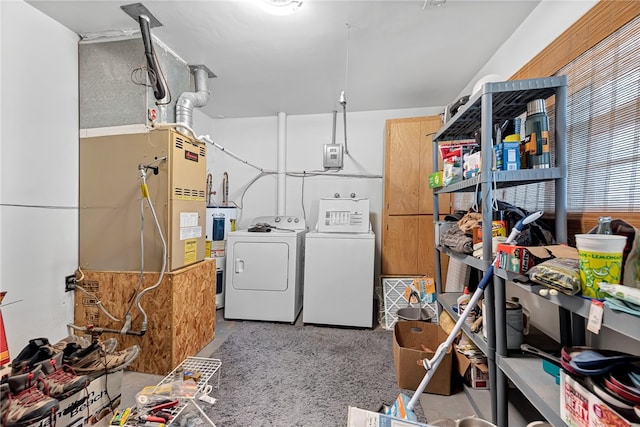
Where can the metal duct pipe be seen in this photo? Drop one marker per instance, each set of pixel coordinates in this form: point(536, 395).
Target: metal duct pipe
point(190, 100)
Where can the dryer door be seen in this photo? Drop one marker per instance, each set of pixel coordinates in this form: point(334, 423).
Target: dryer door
point(260, 266)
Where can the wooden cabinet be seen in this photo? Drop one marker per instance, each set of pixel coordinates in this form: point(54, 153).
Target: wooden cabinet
point(407, 245)
point(407, 222)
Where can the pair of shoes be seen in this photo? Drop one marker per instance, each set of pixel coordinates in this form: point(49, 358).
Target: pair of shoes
point(77, 353)
point(23, 400)
point(60, 381)
point(43, 374)
point(30, 355)
point(78, 342)
point(95, 361)
point(40, 349)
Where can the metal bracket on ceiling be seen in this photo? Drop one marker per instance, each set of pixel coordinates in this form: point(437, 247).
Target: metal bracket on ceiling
point(433, 3)
point(135, 10)
point(210, 73)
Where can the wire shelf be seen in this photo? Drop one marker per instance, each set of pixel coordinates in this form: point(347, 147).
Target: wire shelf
point(207, 368)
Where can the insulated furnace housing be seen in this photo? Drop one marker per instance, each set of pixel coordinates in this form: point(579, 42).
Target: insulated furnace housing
point(112, 207)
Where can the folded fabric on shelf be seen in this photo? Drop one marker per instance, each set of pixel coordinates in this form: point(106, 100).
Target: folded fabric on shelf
point(456, 240)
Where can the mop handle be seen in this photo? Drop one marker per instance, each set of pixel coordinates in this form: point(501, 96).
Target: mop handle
point(431, 365)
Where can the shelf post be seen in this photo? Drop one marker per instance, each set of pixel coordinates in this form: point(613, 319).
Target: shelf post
point(436, 215)
point(486, 174)
point(561, 161)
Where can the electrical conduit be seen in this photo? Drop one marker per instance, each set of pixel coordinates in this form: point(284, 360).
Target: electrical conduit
point(282, 163)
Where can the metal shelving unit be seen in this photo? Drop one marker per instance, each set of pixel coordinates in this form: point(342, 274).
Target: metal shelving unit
point(495, 103)
point(539, 388)
point(611, 319)
point(476, 263)
point(504, 179)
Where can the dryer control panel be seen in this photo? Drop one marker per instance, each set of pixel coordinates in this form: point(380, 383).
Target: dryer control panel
point(279, 223)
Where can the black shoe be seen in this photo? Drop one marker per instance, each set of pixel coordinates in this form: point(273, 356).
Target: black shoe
point(36, 351)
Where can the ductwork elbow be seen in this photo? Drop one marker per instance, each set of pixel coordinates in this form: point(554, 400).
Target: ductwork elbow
point(190, 100)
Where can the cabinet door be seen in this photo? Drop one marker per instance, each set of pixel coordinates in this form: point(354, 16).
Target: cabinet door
point(407, 245)
point(428, 127)
point(408, 163)
point(426, 250)
point(400, 244)
point(402, 167)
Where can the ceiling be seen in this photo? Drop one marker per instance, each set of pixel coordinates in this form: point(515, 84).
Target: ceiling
point(383, 54)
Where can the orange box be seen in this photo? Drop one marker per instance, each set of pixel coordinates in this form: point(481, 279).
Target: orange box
point(519, 259)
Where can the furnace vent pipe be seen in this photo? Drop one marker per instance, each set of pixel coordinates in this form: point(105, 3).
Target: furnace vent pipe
point(158, 86)
point(190, 100)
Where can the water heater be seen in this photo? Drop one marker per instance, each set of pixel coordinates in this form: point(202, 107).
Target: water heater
point(112, 208)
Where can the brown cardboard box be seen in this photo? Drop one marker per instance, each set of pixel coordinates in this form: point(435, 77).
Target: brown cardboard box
point(475, 375)
point(409, 337)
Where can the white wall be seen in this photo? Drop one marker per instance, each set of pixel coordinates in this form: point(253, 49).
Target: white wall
point(547, 21)
point(255, 140)
point(38, 173)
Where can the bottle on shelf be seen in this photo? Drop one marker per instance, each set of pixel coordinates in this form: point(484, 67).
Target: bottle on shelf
point(536, 141)
point(604, 225)
point(463, 300)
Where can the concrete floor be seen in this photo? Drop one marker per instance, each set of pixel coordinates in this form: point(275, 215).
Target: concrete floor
point(435, 407)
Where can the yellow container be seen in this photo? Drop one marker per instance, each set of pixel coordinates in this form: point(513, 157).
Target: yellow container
point(600, 261)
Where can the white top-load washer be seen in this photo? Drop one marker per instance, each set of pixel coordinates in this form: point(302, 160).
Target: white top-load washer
point(339, 265)
point(265, 269)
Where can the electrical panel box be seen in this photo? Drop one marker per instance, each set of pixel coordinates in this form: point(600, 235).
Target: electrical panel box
point(112, 206)
point(333, 154)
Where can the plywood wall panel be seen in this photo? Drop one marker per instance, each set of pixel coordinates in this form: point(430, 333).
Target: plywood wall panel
point(180, 312)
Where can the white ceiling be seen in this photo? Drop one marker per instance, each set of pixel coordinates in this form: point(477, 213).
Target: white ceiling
point(401, 54)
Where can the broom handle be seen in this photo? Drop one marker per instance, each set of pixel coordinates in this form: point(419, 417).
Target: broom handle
point(431, 365)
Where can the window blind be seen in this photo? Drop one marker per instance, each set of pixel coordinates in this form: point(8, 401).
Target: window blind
point(603, 131)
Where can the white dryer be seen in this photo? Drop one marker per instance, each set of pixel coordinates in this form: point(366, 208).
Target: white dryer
point(265, 270)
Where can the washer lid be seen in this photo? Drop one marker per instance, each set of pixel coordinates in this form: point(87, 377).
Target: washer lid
point(345, 236)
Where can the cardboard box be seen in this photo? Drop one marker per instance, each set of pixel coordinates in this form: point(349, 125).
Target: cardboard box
point(410, 339)
point(507, 156)
point(519, 259)
point(90, 406)
point(581, 408)
point(475, 375)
